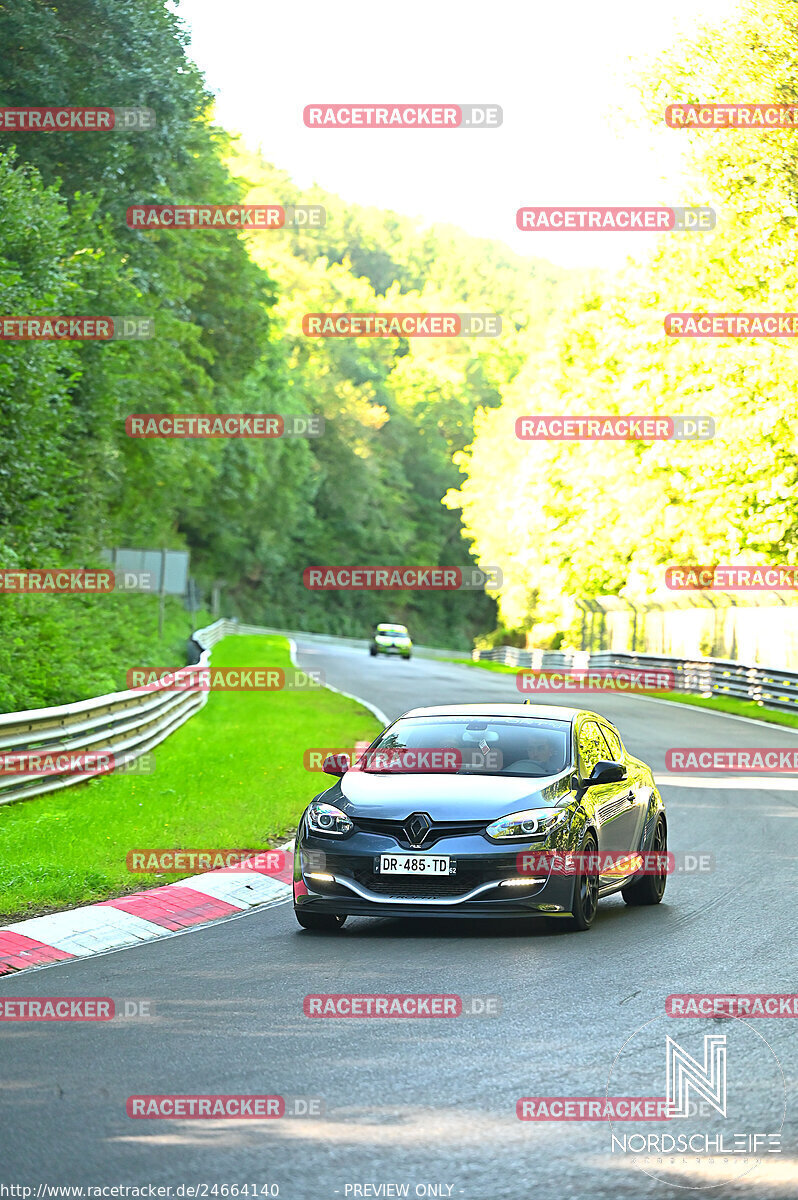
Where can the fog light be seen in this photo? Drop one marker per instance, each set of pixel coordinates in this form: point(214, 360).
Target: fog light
point(322, 878)
point(525, 882)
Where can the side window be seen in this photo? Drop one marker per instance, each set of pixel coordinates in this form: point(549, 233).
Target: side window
point(592, 747)
point(614, 743)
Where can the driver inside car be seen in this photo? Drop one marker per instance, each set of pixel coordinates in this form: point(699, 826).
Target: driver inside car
point(543, 757)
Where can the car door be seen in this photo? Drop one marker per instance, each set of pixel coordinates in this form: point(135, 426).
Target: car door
point(610, 801)
point(633, 815)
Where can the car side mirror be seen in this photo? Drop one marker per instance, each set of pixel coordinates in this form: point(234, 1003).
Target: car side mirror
point(606, 772)
point(336, 764)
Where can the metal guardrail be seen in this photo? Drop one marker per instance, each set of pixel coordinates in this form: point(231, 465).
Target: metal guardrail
point(122, 724)
point(768, 686)
point(547, 660)
point(127, 724)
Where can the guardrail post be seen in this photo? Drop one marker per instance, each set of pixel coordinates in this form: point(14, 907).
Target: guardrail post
point(162, 596)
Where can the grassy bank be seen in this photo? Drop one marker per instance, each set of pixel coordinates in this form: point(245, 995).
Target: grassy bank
point(232, 776)
point(726, 704)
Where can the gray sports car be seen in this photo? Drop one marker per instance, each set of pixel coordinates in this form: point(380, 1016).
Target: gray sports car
point(483, 810)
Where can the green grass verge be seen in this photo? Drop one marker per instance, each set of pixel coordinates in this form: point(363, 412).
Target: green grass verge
point(232, 776)
point(727, 704)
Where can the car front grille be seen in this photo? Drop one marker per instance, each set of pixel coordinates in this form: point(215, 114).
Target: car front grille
point(437, 831)
point(417, 888)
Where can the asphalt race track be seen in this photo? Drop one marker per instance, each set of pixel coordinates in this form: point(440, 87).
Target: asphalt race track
point(426, 1103)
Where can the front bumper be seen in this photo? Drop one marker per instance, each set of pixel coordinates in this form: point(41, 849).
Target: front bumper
point(477, 889)
point(391, 648)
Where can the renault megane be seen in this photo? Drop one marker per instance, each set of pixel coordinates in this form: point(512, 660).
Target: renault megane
point(483, 810)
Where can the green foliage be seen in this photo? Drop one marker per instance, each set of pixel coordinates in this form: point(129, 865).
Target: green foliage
point(605, 518)
point(227, 317)
point(51, 651)
point(397, 410)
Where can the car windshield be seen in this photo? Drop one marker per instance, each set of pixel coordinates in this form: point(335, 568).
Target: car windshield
point(471, 745)
point(396, 630)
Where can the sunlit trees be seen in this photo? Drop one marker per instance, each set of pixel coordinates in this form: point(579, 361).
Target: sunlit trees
point(580, 519)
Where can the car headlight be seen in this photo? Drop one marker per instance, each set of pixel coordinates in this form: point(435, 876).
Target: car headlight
point(533, 822)
point(327, 819)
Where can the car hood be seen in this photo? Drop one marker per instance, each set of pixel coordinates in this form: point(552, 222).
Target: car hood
point(444, 797)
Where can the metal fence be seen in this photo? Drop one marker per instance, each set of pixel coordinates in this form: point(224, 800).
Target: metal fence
point(768, 686)
point(127, 724)
point(122, 724)
point(549, 660)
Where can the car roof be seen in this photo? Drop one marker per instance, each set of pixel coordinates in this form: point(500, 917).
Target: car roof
point(547, 712)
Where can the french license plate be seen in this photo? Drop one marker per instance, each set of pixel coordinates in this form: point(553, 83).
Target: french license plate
point(415, 864)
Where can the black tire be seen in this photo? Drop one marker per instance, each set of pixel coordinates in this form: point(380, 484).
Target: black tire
point(406, 657)
point(649, 889)
point(585, 893)
point(319, 922)
point(373, 651)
